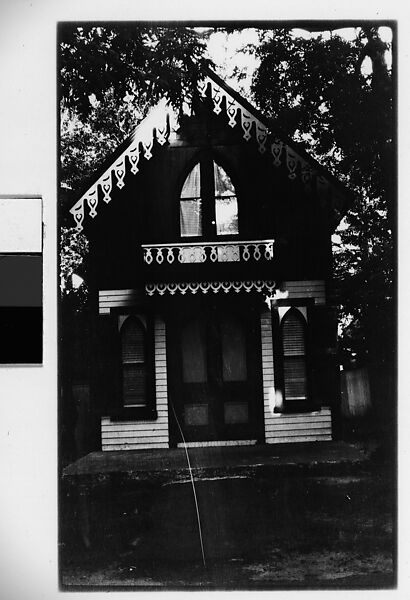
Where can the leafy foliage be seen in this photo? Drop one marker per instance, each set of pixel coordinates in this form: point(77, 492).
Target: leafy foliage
point(74, 247)
point(315, 89)
point(128, 60)
point(85, 144)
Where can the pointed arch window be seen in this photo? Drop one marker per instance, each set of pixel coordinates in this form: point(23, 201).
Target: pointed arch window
point(208, 203)
point(294, 358)
point(190, 206)
point(133, 360)
point(226, 203)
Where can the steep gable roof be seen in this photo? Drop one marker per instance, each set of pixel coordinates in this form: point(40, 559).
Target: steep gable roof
point(239, 112)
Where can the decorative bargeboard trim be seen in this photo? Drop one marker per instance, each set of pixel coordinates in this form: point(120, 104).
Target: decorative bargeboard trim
point(281, 152)
point(209, 286)
point(253, 127)
point(154, 126)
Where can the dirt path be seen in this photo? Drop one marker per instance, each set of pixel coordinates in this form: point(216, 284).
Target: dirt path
point(298, 531)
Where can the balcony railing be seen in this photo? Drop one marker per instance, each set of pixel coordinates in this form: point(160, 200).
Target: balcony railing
point(214, 252)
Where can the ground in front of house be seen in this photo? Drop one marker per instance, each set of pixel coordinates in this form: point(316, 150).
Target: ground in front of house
point(271, 530)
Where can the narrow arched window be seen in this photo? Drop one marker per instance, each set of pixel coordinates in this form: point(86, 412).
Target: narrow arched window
point(294, 357)
point(190, 206)
point(226, 203)
point(133, 357)
point(208, 202)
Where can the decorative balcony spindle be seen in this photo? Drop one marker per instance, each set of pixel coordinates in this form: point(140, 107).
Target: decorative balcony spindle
point(160, 256)
point(246, 254)
point(256, 252)
point(214, 254)
point(197, 252)
point(269, 251)
point(148, 255)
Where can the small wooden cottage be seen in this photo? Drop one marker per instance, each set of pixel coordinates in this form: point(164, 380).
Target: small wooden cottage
point(211, 265)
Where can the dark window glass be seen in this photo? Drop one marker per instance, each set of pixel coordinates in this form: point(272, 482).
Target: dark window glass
point(193, 343)
point(233, 350)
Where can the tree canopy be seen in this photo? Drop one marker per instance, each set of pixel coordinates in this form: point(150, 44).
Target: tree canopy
point(128, 60)
point(316, 88)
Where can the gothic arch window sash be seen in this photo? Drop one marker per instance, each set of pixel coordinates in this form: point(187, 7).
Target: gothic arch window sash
point(208, 204)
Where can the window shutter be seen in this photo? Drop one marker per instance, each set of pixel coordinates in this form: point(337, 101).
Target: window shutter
point(293, 336)
point(294, 358)
point(133, 342)
point(134, 379)
point(107, 369)
point(134, 384)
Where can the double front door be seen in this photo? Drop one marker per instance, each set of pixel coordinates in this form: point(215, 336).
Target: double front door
point(214, 371)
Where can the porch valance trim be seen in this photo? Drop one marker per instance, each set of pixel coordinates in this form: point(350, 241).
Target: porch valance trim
point(210, 286)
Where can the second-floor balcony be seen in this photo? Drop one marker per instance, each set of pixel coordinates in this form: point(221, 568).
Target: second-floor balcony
point(245, 252)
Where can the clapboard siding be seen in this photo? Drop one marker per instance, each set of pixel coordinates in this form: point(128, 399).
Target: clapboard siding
point(278, 427)
point(143, 435)
point(303, 438)
point(273, 424)
point(120, 438)
point(305, 289)
point(267, 364)
point(217, 443)
point(299, 427)
point(108, 299)
point(323, 414)
point(130, 426)
point(133, 446)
